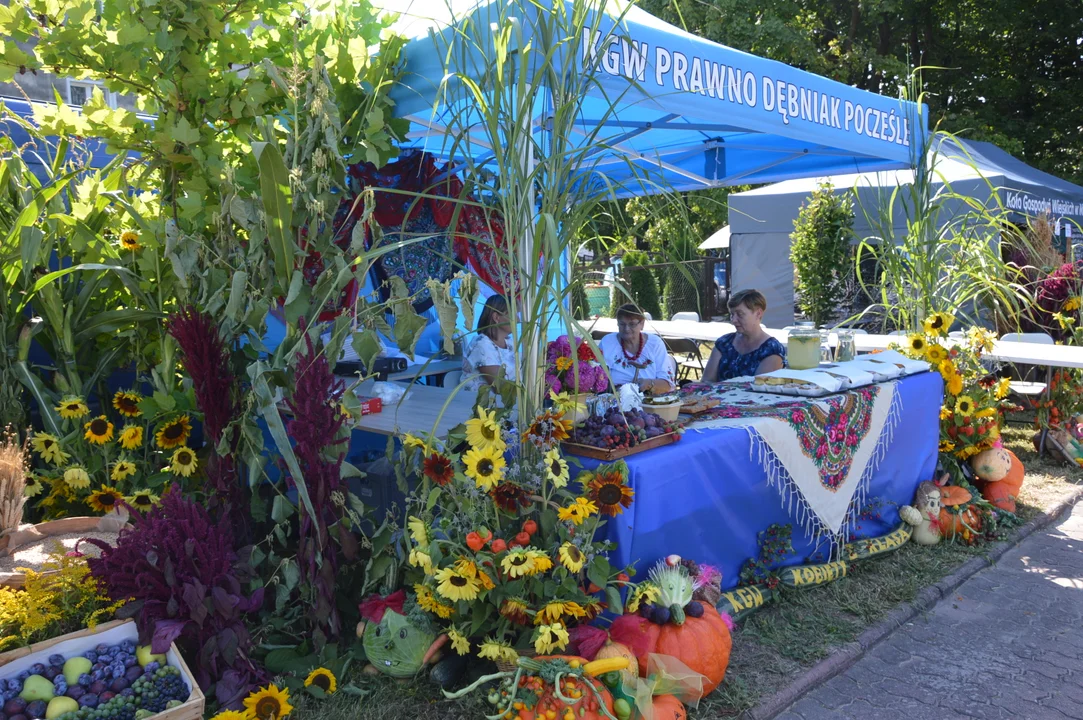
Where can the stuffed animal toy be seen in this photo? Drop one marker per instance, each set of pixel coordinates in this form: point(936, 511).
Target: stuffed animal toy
point(1001, 475)
point(924, 515)
point(398, 638)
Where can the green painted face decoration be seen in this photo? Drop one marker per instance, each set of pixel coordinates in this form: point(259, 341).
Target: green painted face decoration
point(395, 647)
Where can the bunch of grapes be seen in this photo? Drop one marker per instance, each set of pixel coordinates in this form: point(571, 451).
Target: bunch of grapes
point(618, 429)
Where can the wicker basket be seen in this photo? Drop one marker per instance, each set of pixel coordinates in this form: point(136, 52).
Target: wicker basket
point(511, 665)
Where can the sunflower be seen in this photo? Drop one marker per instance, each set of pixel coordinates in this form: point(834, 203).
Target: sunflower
point(459, 643)
point(48, 447)
point(642, 593)
point(438, 468)
point(104, 500)
point(980, 338)
point(99, 430)
point(964, 406)
point(183, 462)
point(946, 446)
point(33, 487)
point(497, 650)
point(549, 638)
point(548, 429)
point(955, 384)
point(142, 500)
point(577, 511)
point(1003, 388)
point(127, 403)
point(455, 585)
point(483, 432)
point(485, 467)
point(268, 703)
point(917, 344)
point(571, 557)
point(230, 715)
point(937, 324)
point(131, 437)
point(556, 468)
point(509, 497)
point(412, 441)
point(609, 489)
point(556, 609)
point(945, 412)
point(174, 433)
point(324, 679)
point(419, 530)
point(542, 561)
point(421, 559)
point(123, 469)
point(518, 563)
point(129, 240)
point(72, 408)
point(76, 477)
point(936, 354)
point(515, 609)
point(430, 603)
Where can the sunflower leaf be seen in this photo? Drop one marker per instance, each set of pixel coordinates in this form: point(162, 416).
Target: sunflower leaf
point(612, 598)
point(434, 497)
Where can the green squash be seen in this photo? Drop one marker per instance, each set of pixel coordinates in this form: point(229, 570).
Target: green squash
point(395, 646)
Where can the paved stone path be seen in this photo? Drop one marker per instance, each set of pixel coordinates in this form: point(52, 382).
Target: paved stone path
point(1008, 643)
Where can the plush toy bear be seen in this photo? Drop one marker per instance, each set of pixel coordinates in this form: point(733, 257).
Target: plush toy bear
point(1001, 475)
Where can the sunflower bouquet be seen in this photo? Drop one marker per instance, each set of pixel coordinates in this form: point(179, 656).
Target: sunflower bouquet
point(128, 452)
point(502, 541)
point(974, 399)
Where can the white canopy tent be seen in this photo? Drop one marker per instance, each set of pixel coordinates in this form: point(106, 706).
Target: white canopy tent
point(720, 240)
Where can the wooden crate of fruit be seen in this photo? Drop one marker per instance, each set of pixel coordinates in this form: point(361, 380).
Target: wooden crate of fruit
point(73, 646)
point(618, 434)
point(610, 454)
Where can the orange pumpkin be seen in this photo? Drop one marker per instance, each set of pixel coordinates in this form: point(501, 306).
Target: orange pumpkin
point(1000, 494)
point(952, 495)
point(667, 707)
point(588, 707)
point(703, 643)
point(952, 524)
point(614, 650)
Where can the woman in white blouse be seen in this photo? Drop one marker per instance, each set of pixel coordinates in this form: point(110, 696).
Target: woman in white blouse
point(630, 350)
point(491, 355)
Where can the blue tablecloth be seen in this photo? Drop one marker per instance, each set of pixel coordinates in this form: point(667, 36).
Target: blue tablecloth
point(706, 497)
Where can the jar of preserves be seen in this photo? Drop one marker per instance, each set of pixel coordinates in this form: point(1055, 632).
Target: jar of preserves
point(803, 347)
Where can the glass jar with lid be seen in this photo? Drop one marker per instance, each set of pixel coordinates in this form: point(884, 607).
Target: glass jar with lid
point(803, 347)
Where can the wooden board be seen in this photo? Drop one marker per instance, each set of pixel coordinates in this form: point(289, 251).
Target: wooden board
point(111, 633)
point(610, 454)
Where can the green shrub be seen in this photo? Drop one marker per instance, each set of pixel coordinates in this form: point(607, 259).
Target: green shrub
point(641, 283)
point(683, 287)
point(820, 251)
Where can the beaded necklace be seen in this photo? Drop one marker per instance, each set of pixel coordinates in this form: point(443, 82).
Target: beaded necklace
point(631, 359)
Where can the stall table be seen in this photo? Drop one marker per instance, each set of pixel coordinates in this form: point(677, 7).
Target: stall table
point(424, 409)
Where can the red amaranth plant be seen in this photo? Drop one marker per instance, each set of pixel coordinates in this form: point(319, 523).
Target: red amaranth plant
point(206, 359)
point(179, 569)
point(315, 428)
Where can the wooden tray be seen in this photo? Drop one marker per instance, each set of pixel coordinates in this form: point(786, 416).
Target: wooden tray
point(610, 454)
point(110, 633)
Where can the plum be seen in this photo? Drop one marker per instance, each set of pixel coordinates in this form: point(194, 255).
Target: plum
point(89, 700)
point(133, 673)
point(694, 609)
point(75, 691)
point(20, 716)
point(37, 709)
point(51, 672)
point(119, 684)
point(106, 696)
point(15, 705)
point(660, 615)
point(98, 686)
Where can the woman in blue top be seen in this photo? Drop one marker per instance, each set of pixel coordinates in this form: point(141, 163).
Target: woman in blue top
point(750, 350)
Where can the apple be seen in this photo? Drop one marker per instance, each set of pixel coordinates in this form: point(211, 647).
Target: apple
point(74, 667)
point(37, 688)
point(145, 656)
point(60, 705)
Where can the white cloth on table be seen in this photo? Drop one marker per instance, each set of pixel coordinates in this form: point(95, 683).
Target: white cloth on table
point(483, 352)
point(653, 358)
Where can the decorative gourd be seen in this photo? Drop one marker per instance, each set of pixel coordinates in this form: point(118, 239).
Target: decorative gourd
point(954, 524)
point(703, 643)
point(617, 650)
point(953, 495)
point(668, 707)
point(588, 706)
point(1003, 485)
point(910, 515)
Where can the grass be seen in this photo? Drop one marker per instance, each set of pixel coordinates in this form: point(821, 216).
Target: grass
point(771, 646)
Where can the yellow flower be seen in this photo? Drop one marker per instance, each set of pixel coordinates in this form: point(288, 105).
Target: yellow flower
point(72, 408)
point(556, 468)
point(268, 703)
point(454, 585)
point(76, 477)
point(131, 437)
point(174, 433)
point(123, 469)
point(428, 602)
point(459, 643)
point(99, 431)
point(566, 403)
point(563, 363)
point(964, 406)
point(486, 581)
point(33, 487)
point(1003, 388)
point(986, 412)
point(324, 679)
point(980, 338)
point(483, 432)
point(183, 462)
point(127, 403)
point(48, 447)
point(230, 715)
point(946, 446)
point(497, 650)
point(936, 354)
point(485, 467)
point(1071, 304)
point(410, 442)
point(143, 500)
point(104, 500)
point(945, 412)
point(541, 560)
point(422, 560)
point(571, 557)
point(129, 240)
point(938, 324)
point(419, 530)
point(917, 344)
point(577, 511)
point(556, 609)
point(518, 563)
point(644, 592)
point(549, 638)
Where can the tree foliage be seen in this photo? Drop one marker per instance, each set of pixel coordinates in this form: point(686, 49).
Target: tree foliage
point(820, 251)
